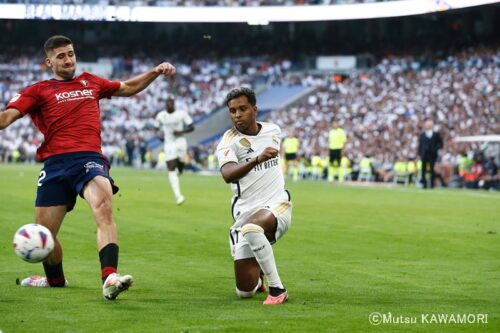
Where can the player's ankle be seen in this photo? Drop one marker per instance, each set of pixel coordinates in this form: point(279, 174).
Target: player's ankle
point(275, 291)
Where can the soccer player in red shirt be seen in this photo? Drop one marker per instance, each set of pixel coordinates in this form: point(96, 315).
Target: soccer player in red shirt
point(66, 110)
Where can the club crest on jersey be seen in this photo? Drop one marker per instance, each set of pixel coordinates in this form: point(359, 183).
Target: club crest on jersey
point(245, 143)
point(84, 83)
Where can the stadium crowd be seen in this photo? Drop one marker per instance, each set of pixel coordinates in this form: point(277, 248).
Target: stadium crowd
point(381, 109)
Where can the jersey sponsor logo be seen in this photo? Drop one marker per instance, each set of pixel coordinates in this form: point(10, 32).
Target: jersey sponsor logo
point(93, 165)
point(74, 95)
point(274, 162)
point(15, 98)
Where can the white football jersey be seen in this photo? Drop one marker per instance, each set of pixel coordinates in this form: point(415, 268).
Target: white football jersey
point(265, 181)
point(170, 122)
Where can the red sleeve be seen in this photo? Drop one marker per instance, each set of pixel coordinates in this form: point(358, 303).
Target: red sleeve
point(25, 101)
point(107, 87)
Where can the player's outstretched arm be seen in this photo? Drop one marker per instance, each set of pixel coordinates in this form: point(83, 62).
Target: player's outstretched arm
point(140, 82)
point(232, 172)
point(8, 117)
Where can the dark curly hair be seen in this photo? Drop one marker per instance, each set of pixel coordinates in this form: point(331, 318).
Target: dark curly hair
point(241, 91)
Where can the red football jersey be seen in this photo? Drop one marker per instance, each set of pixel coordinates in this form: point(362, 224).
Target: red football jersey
point(66, 112)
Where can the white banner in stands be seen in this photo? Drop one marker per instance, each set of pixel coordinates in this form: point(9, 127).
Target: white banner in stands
point(251, 15)
point(335, 63)
point(478, 138)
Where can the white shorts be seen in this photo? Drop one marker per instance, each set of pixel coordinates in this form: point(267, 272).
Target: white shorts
point(281, 209)
point(176, 149)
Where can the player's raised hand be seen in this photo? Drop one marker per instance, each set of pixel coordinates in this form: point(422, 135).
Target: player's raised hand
point(267, 154)
point(166, 69)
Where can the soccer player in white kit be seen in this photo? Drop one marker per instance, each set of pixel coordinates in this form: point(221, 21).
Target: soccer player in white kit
point(174, 124)
point(249, 159)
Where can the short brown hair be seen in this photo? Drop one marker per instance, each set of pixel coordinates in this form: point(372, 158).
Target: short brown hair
point(56, 41)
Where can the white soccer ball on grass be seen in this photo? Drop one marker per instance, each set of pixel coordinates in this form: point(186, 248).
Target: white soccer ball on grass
point(33, 242)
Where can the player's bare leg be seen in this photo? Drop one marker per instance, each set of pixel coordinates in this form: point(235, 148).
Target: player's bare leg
point(173, 177)
point(248, 277)
point(98, 193)
point(259, 230)
point(50, 217)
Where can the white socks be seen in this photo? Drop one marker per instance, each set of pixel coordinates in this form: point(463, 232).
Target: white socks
point(173, 177)
point(263, 252)
point(246, 294)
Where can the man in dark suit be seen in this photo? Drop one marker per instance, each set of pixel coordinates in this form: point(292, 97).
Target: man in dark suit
point(429, 144)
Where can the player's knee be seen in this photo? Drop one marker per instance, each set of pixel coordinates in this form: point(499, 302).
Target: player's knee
point(245, 294)
point(173, 173)
point(251, 227)
point(103, 205)
point(103, 211)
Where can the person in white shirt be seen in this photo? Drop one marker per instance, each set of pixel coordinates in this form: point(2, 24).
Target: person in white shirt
point(248, 157)
point(174, 124)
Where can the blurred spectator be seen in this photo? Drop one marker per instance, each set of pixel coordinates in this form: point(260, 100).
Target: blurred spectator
point(429, 144)
point(476, 173)
point(491, 177)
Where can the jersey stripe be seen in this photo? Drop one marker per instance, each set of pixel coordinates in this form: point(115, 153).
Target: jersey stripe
point(228, 136)
point(282, 207)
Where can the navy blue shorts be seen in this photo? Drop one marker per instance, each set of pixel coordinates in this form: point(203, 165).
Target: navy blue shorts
point(64, 176)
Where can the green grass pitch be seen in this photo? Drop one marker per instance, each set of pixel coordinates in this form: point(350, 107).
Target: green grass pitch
point(351, 251)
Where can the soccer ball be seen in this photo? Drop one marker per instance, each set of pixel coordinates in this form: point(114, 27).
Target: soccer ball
point(33, 242)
